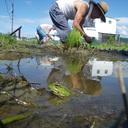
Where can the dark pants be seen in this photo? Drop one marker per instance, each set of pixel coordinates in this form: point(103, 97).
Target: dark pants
point(59, 20)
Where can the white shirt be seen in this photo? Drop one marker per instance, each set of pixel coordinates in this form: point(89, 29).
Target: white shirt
point(46, 28)
point(66, 6)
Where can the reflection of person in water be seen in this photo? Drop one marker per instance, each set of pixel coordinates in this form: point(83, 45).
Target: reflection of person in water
point(46, 60)
point(76, 80)
point(93, 87)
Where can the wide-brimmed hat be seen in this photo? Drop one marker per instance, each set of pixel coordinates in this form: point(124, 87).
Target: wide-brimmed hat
point(103, 6)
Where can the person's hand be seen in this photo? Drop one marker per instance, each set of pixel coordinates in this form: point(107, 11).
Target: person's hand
point(88, 39)
point(52, 39)
point(46, 40)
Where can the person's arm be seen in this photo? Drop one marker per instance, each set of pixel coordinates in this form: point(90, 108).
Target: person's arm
point(82, 10)
point(50, 37)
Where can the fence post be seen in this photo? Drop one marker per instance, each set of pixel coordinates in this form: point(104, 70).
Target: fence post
point(19, 30)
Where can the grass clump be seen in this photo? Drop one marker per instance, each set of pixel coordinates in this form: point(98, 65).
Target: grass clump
point(10, 43)
point(74, 38)
point(6, 38)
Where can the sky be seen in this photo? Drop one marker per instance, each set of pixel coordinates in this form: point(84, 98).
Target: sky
point(30, 13)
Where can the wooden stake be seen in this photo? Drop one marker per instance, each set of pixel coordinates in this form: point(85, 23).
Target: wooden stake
point(122, 86)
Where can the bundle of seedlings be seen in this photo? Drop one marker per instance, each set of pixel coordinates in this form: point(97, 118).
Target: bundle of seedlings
point(74, 38)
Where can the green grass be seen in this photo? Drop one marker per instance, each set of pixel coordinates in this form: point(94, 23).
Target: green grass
point(8, 42)
point(111, 45)
point(7, 39)
point(32, 41)
point(75, 39)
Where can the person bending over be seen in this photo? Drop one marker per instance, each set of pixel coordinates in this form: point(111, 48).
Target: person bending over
point(42, 32)
point(77, 10)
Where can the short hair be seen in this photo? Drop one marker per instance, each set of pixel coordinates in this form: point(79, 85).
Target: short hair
point(53, 25)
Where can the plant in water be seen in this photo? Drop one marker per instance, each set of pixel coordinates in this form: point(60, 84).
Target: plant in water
point(8, 65)
point(74, 38)
point(73, 65)
point(15, 118)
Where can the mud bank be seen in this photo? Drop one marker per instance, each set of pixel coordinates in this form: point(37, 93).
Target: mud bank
point(39, 49)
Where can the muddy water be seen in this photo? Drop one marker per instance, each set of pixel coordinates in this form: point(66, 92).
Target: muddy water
point(98, 103)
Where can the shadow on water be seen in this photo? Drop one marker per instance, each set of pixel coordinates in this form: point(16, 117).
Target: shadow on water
point(24, 88)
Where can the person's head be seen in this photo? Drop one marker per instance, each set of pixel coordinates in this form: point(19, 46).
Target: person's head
point(53, 27)
point(99, 10)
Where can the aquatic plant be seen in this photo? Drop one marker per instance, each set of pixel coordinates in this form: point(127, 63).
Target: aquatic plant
point(74, 38)
point(15, 118)
point(8, 65)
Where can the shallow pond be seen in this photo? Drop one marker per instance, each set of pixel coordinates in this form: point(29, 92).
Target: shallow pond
point(99, 101)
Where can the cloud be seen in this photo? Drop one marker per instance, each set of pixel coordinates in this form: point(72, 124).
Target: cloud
point(28, 2)
point(3, 16)
point(5, 23)
point(122, 26)
point(123, 31)
point(28, 24)
point(122, 21)
point(45, 12)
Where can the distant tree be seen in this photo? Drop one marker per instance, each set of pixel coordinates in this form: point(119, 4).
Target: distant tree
point(124, 40)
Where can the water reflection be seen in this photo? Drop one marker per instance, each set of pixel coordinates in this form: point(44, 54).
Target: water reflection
point(95, 80)
point(69, 72)
point(46, 60)
point(100, 68)
point(57, 101)
point(82, 74)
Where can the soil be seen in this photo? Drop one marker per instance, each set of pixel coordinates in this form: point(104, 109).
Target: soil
point(39, 49)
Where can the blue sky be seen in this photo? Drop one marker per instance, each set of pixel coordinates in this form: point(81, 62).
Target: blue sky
point(30, 13)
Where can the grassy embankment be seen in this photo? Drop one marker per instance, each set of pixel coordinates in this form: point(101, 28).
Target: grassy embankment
point(111, 45)
point(8, 42)
point(74, 40)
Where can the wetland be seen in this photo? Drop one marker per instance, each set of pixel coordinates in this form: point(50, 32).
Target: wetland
point(26, 75)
